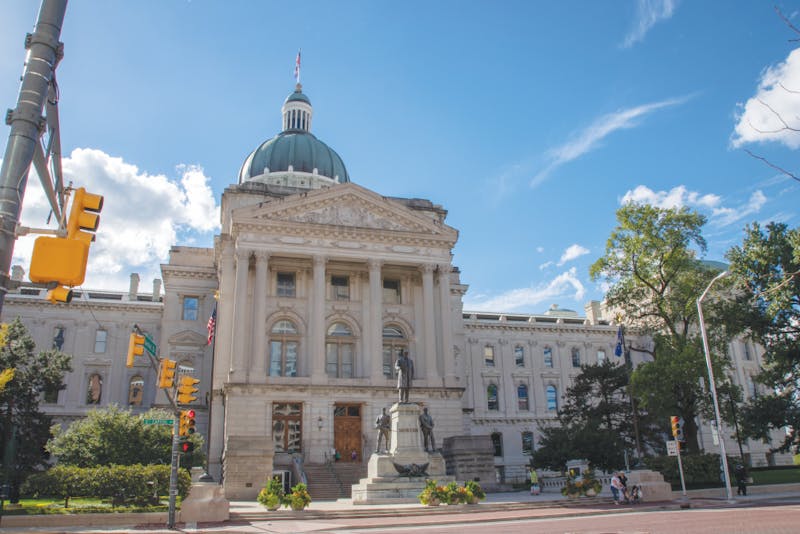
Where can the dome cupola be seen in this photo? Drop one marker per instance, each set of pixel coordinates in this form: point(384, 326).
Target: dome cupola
point(295, 157)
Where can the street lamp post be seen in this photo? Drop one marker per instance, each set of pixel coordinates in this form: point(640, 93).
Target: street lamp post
point(713, 385)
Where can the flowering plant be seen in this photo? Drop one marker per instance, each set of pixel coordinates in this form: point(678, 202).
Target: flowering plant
point(299, 498)
point(583, 485)
point(475, 489)
point(271, 496)
point(432, 494)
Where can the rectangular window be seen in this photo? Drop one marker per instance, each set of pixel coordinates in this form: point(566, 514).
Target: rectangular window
point(601, 356)
point(340, 287)
point(519, 356)
point(576, 357)
point(548, 357)
point(391, 291)
point(527, 443)
point(286, 285)
point(488, 356)
point(190, 305)
point(100, 337)
point(286, 427)
point(747, 354)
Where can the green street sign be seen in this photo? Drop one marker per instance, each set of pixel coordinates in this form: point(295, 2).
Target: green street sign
point(158, 421)
point(149, 345)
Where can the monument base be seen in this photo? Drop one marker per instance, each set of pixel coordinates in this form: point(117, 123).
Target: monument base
point(652, 484)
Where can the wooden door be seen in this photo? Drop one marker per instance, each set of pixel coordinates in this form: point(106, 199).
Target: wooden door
point(347, 432)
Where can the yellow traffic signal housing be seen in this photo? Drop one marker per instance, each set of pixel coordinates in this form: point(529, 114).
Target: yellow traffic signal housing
point(84, 215)
point(59, 294)
point(186, 389)
point(56, 259)
point(135, 348)
point(186, 423)
point(677, 427)
point(166, 375)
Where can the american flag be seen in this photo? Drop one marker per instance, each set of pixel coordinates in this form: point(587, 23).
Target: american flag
point(297, 67)
point(212, 324)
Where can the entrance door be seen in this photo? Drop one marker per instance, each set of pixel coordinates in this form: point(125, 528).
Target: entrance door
point(347, 431)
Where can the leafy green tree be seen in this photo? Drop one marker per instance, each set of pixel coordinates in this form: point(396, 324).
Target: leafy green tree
point(652, 267)
point(766, 269)
point(595, 423)
point(112, 436)
point(24, 429)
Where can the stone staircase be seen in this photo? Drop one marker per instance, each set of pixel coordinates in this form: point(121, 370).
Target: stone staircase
point(328, 482)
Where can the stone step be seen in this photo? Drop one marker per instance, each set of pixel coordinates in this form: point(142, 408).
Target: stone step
point(362, 512)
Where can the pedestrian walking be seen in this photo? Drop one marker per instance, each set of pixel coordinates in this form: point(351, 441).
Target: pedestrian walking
point(535, 489)
point(616, 488)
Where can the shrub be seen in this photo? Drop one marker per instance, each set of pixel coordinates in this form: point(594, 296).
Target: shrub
point(272, 495)
point(122, 484)
point(299, 498)
point(475, 489)
point(433, 494)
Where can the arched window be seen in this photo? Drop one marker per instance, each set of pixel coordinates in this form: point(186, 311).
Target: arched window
point(552, 398)
point(497, 443)
point(491, 397)
point(522, 397)
point(576, 357)
point(94, 392)
point(136, 391)
point(394, 343)
point(283, 342)
point(548, 357)
point(340, 351)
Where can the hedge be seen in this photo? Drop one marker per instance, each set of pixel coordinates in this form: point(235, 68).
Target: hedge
point(699, 470)
point(122, 484)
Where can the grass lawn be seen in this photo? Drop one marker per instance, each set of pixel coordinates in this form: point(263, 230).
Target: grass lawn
point(77, 505)
point(776, 476)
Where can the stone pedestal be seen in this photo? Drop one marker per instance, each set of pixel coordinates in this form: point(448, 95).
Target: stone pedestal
point(206, 502)
point(471, 458)
point(654, 488)
point(384, 482)
point(247, 465)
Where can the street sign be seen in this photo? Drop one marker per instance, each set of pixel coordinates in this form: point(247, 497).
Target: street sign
point(149, 345)
point(672, 448)
point(158, 421)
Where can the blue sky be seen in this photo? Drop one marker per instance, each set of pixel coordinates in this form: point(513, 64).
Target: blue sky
point(529, 121)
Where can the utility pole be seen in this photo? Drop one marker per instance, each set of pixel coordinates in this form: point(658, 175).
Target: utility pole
point(27, 124)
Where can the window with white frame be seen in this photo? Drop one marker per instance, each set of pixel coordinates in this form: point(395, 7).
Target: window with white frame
point(488, 356)
point(576, 357)
point(601, 356)
point(491, 397)
point(100, 338)
point(551, 396)
point(391, 291)
point(394, 343)
point(522, 398)
point(548, 357)
point(340, 351)
point(340, 287)
point(286, 285)
point(283, 345)
point(519, 356)
point(190, 308)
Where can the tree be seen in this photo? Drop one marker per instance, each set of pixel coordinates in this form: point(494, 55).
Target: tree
point(651, 264)
point(111, 436)
point(21, 422)
point(595, 422)
point(766, 269)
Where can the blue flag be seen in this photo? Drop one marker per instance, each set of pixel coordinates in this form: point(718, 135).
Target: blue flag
point(618, 348)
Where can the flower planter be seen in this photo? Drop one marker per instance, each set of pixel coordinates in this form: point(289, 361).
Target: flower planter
point(590, 492)
point(433, 502)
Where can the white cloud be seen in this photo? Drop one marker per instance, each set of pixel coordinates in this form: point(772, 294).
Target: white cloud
point(572, 252)
point(143, 215)
point(564, 286)
point(546, 265)
point(775, 107)
point(711, 204)
point(590, 137)
point(648, 14)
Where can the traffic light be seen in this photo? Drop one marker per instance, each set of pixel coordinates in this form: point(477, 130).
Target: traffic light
point(186, 423)
point(186, 389)
point(186, 446)
point(677, 427)
point(60, 260)
point(84, 216)
point(166, 375)
point(59, 294)
point(135, 348)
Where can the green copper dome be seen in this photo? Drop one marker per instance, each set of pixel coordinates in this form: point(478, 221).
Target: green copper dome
point(295, 157)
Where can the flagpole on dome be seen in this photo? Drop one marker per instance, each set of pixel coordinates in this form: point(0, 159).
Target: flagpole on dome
point(297, 68)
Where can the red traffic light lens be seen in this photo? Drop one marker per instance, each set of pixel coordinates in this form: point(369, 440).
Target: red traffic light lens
point(190, 414)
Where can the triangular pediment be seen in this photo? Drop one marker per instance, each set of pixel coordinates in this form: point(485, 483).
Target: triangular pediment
point(187, 337)
point(346, 205)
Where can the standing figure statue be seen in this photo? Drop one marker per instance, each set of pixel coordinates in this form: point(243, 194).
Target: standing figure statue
point(426, 426)
point(383, 423)
point(405, 375)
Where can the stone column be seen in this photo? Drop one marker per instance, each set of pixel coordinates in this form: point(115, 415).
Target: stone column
point(429, 326)
point(447, 325)
point(374, 325)
point(241, 318)
point(258, 367)
point(317, 330)
point(223, 337)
